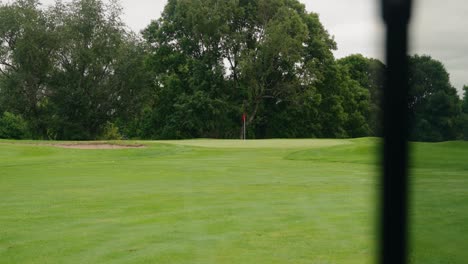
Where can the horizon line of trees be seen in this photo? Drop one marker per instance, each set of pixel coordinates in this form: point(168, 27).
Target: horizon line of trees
point(73, 71)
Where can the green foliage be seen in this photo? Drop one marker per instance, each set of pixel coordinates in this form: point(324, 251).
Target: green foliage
point(110, 132)
point(13, 126)
point(71, 68)
point(97, 78)
point(368, 73)
point(465, 100)
point(26, 61)
point(462, 123)
point(434, 103)
point(74, 67)
point(463, 119)
point(258, 57)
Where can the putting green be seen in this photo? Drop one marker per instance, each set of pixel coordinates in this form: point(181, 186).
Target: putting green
point(270, 143)
point(221, 201)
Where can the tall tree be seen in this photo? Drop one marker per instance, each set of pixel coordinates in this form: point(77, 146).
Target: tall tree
point(368, 73)
point(434, 103)
point(262, 57)
point(95, 68)
point(27, 47)
point(463, 120)
point(71, 68)
point(190, 100)
point(465, 99)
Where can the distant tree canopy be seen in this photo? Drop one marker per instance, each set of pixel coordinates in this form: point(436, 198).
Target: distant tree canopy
point(463, 121)
point(74, 71)
point(433, 103)
point(69, 69)
point(215, 60)
point(368, 73)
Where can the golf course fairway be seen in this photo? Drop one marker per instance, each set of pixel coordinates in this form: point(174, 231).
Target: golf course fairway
point(222, 201)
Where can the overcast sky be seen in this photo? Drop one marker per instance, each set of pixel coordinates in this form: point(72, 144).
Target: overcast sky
point(440, 28)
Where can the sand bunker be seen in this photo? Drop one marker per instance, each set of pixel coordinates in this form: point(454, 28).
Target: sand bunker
point(97, 146)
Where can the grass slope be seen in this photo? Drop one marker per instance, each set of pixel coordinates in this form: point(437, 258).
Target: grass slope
point(212, 201)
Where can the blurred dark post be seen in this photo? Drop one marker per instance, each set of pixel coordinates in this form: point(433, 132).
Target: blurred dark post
point(393, 247)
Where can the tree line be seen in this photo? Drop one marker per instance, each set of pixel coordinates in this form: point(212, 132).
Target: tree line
point(74, 71)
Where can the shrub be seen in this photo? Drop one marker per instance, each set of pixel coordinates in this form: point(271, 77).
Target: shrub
point(110, 132)
point(13, 126)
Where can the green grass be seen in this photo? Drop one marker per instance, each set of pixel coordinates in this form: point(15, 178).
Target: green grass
point(222, 201)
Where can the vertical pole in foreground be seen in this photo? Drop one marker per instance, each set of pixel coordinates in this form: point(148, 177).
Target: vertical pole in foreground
point(394, 199)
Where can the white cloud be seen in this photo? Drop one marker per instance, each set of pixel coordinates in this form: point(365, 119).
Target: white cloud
point(439, 29)
point(355, 24)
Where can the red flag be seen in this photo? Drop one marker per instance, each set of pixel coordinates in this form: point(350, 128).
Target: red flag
point(244, 117)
